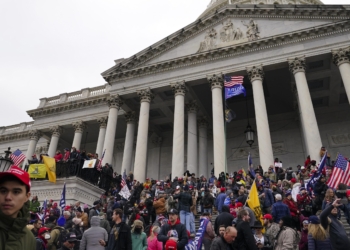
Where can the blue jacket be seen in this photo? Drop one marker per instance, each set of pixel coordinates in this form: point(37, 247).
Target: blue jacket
point(318, 244)
point(279, 210)
point(219, 202)
point(268, 201)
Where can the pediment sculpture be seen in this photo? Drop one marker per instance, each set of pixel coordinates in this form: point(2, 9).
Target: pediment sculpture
point(229, 35)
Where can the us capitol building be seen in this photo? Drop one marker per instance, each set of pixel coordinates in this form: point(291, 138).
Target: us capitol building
point(161, 110)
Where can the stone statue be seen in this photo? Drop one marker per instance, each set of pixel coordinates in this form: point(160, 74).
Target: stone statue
point(252, 30)
point(209, 41)
point(227, 31)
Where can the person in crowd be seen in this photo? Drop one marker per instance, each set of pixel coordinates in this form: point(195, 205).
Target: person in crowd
point(303, 243)
point(138, 237)
point(320, 189)
point(81, 218)
point(225, 241)
point(95, 237)
point(329, 222)
point(55, 233)
point(159, 204)
point(208, 234)
point(294, 212)
point(58, 156)
point(279, 209)
point(14, 210)
point(328, 198)
point(95, 210)
point(42, 238)
point(66, 155)
point(69, 220)
point(36, 226)
point(245, 239)
point(222, 229)
point(70, 241)
point(261, 240)
point(304, 202)
point(104, 223)
point(318, 237)
point(120, 235)
point(207, 201)
point(265, 194)
point(212, 178)
point(34, 205)
point(287, 237)
point(224, 218)
point(220, 199)
point(152, 242)
point(34, 160)
point(185, 202)
point(174, 232)
point(271, 228)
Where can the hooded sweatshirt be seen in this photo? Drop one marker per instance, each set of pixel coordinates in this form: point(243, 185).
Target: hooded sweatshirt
point(177, 229)
point(91, 237)
point(14, 234)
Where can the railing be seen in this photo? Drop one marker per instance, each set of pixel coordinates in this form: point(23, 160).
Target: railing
point(16, 128)
point(77, 95)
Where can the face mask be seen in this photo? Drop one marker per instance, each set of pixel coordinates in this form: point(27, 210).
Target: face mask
point(137, 230)
point(47, 236)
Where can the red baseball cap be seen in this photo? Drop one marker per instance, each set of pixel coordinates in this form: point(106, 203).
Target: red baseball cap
point(268, 216)
point(239, 204)
point(170, 245)
point(19, 174)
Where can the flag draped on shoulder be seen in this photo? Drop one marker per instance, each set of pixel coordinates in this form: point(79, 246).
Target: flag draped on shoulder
point(50, 164)
point(17, 157)
point(254, 203)
point(340, 173)
point(37, 171)
point(89, 163)
point(250, 166)
point(317, 174)
point(63, 198)
point(124, 192)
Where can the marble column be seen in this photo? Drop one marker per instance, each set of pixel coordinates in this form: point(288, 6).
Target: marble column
point(178, 156)
point(114, 103)
point(34, 136)
point(256, 76)
point(101, 135)
point(217, 82)
point(130, 118)
point(56, 133)
point(140, 165)
point(313, 139)
point(79, 128)
point(341, 59)
point(203, 146)
point(192, 138)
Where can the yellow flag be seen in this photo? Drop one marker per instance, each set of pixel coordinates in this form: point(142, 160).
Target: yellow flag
point(244, 173)
point(254, 203)
point(37, 171)
point(50, 164)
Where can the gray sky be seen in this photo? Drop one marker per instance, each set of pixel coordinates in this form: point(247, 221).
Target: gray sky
point(51, 47)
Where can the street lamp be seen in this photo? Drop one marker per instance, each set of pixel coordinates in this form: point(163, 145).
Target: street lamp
point(5, 162)
point(249, 135)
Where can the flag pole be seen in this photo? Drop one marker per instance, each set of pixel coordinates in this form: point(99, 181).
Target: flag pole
point(225, 148)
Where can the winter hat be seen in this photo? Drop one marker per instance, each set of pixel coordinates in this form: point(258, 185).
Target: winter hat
point(288, 193)
point(313, 219)
point(61, 221)
point(79, 209)
point(222, 190)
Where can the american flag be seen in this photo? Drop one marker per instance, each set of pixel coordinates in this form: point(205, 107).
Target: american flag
point(99, 165)
point(124, 192)
point(17, 157)
point(231, 81)
point(341, 173)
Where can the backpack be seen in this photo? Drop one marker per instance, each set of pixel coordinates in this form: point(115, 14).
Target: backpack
point(42, 244)
point(61, 238)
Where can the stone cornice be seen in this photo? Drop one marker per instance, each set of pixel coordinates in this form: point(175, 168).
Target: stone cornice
point(15, 136)
point(132, 66)
point(234, 50)
point(68, 106)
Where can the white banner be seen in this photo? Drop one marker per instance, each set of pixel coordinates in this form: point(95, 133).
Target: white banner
point(89, 163)
point(125, 193)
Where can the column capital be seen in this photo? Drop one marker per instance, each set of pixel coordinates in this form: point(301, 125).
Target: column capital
point(79, 126)
point(115, 101)
point(203, 122)
point(56, 130)
point(297, 64)
point(179, 88)
point(216, 80)
point(145, 95)
point(130, 116)
point(157, 141)
point(34, 134)
point(341, 56)
point(192, 107)
point(102, 121)
point(255, 73)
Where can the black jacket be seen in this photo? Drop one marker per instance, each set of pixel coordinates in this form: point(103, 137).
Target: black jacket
point(208, 200)
point(181, 231)
point(225, 218)
point(124, 239)
point(185, 201)
point(245, 239)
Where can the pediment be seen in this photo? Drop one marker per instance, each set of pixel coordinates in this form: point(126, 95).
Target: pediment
point(231, 28)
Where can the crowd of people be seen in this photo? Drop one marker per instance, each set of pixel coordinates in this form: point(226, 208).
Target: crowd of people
point(160, 214)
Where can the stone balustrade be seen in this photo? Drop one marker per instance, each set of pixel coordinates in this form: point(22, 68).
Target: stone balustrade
point(24, 126)
point(76, 95)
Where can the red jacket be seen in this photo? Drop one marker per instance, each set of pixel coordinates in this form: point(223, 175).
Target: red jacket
point(303, 200)
point(232, 210)
point(292, 207)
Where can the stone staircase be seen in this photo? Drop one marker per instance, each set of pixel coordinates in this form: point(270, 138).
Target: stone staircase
point(214, 215)
point(345, 224)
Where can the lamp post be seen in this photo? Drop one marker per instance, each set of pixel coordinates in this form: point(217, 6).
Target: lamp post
point(5, 162)
point(249, 135)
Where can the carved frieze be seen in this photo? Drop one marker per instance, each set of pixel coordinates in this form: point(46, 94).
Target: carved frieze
point(102, 121)
point(242, 153)
point(297, 64)
point(341, 56)
point(34, 134)
point(114, 102)
point(179, 88)
point(229, 35)
point(79, 126)
point(145, 95)
point(216, 80)
point(339, 140)
point(255, 73)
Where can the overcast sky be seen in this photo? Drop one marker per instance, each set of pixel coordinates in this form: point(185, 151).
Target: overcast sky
point(51, 47)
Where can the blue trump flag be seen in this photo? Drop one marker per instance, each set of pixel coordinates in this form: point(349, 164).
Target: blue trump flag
point(250, 166)
point(234, 91)
point(63, 198)
point(316, 176)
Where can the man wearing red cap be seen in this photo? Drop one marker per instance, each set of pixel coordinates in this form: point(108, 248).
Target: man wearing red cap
point(271, 227)
point(14, 210)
